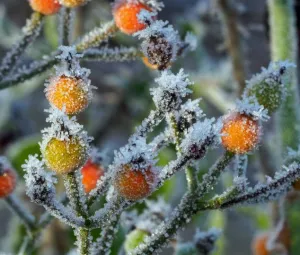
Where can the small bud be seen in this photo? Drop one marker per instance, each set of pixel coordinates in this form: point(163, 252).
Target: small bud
point(68, 93)
point(134, 184)
point(72, 3)
point(91, 173)
point(133, 239)
point(240, 133)
point(46, 7)
point(8, 178)
point(126, 16)
point(64, 156)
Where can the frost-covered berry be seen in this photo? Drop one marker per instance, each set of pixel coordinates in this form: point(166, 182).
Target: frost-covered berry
point(240, 133)
point(46, 7)
point(134, 184)
point(64, 156)
point(134, 238)
point(125, 15)
point(68, 93)
point(7, 179)
point(72, 3)
point(91, 173)
point(259, 245)
point(159, 51)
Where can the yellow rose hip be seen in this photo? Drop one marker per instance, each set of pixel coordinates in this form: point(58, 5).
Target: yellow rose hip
point(64, 156)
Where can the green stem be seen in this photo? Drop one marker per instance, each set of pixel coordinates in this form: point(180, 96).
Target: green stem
point(284, 47)
point(191, 175)
point(73, 194)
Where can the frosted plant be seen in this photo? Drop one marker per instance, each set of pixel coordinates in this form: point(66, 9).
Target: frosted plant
point(98, 193)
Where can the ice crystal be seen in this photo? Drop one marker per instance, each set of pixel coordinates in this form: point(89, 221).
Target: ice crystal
point(249, 106)
point(272, 190)
point(171, 89)
point(154, 4)
point(69, 64)
point(199, 136)
point(39, 183)
point(63, 128)
point(137, 153)
point(189, 113)
point(191, 40)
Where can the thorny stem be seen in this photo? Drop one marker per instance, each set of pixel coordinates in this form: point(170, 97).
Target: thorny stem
point(233, 42)
point(184, 211)
point(190, 173)
point(30, 33)
point(72, 190)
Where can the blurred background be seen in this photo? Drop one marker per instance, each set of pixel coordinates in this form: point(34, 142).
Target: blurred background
point(122, 100)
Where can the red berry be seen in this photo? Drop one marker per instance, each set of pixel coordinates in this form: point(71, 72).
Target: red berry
point(7, 182)
point(134, 184)
point(125, 15)
point(259, 245)
point(46, 7)
point(91, 173)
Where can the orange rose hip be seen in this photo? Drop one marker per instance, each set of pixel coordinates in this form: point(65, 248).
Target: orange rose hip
point(240, 133)
point(46, 7)
point(7, 182)
point(134, 184)
point(68, 93)
point(125, 16)
point(91, 173)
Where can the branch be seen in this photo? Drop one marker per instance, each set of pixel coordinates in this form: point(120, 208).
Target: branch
point(31, 31)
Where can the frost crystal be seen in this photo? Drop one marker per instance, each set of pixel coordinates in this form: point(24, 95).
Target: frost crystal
point(191, 40)
point(137, 153)
point(39, 183)
point(200, 136)
point(189, 113)
point(249, 106)
point(154, 4)
point(63, 128)
point(172, 88)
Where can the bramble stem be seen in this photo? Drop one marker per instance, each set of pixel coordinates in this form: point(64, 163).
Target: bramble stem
point(72, 190)
point(31, 31)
